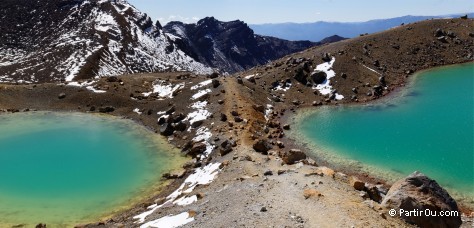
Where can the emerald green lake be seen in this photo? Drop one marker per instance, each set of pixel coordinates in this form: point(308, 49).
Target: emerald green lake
point(428, 127)
point(68, 168)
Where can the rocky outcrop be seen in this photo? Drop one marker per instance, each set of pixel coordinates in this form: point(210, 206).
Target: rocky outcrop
point(292, 156)
point(419, 193)
point(230, 46)
point(262, 146)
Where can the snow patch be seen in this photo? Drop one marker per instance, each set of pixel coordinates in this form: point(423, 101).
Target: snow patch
point(325, 87)
point(164, 89)
point(183, 201)
point(201, 176)
point(87, 85)
point(170, 221)
point(200, 94)
point(137, 110)
point(202, 84)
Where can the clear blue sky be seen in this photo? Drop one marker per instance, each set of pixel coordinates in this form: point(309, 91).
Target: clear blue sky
point(277, 11)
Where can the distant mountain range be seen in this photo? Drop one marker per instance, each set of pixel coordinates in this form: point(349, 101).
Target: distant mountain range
point(231, 46)
point(319, 30)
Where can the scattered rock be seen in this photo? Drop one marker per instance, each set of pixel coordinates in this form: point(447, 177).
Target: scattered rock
point(286, 127)
point(326, 57)
point(442, 39)
point(106, 109)
point(259, 108)
point(439, 32)
point(196, 124)
point(292, 156)
point(180, 126)
point(161, 120)
point(40, 225)
point(325, 171)
point(112, 79)
point(174, 175)
point(262, 146)
point(238, 119)
point(223, 117)
point(170, 110)
point(62, 96)
point(356, 183)
point(226, 147)
point(373, 192)
point(251, 79)
point(419, 192)
point(234, 113)
point(317, 103)
point(280, 144)
point(198, 148)
point(263, 209)
point(318, 77)
point(214, 75)
point(311, 192)
point(239, 80)
point(215, 83)
point(268, 173)
point(167, 129)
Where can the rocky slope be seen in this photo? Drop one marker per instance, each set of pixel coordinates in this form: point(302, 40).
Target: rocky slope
point(79, 39)
point(232, 46)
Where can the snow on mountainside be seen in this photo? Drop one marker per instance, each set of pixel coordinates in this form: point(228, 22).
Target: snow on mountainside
point(230, 46)
point(79, 39)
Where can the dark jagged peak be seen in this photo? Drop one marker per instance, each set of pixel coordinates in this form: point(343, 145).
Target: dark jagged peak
point(229, 46)
point(332, 39)
point(79, 39)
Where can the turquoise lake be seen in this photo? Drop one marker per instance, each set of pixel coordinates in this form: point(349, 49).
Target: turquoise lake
point(68, 168)
point(428, 127)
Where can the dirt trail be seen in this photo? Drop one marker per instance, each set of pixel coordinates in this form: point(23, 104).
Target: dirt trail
point(246, 195)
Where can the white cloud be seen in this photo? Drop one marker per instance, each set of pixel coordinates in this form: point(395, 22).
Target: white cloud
point(164, 20)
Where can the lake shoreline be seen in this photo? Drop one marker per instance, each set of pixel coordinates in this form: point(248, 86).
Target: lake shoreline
point(363, 171)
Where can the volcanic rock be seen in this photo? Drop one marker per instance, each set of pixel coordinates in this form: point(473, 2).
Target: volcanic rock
point(292, 156)
point(419, 192)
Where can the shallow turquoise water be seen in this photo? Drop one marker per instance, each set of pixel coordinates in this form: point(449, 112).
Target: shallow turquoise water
point(59, 168)
point(429, 128)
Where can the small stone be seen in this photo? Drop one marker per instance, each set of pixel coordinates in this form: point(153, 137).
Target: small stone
point(356, 183)
point(61, 95)
point(262, 146)
point(223, 117)
point(292, 156)
point(311, 192)
point(268, 173)
point(286, 127)
point(263, 209)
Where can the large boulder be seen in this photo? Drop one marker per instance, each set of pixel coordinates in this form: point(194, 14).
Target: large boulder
point(292, 156)
point(419, 193)
point(262, 146)
point(167, 129)
point(318, 77)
